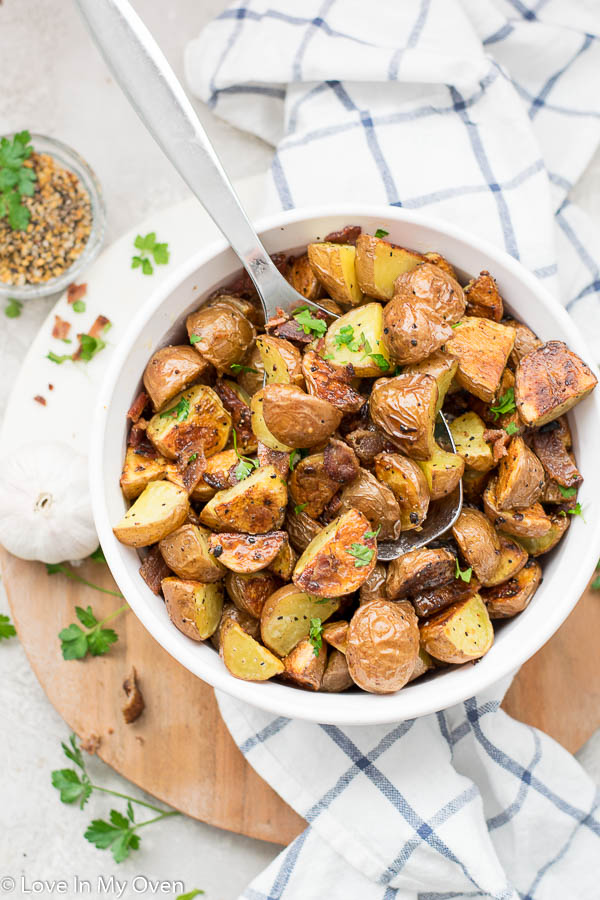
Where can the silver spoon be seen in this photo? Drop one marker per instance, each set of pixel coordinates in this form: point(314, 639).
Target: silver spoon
point(145, 76)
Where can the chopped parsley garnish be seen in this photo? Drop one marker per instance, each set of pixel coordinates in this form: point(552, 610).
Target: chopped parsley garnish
point(90, 346)
point(79, 306)
point(463, 575)
point(380, 361)
point(506, 404)
point(237, 367)
point(245, 465)
point(362, 555)
point(575, 511)
point(371, 534)
point(7, 629)
point(511, 428)
point(55, 358)
point(345, 338)
point(147, 246)
point(567, 492)
point(13, 308)
point(309, 323)
point(295, 457)
point(315, 635)
point(16, 180)
point(328, 356)
point(179, 412)
point(299, 507)
point(195, 338)
point(193, 457)
point(381, 233)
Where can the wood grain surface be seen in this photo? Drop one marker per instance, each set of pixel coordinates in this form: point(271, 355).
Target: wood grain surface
point(180, 750)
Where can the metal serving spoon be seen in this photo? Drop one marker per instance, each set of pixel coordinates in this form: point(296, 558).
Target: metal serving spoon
point(145, 76)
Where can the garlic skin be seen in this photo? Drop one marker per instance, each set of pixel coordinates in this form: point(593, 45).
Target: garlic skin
point(45, 505)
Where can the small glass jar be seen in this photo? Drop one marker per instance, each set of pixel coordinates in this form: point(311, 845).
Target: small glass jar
point(73, 162)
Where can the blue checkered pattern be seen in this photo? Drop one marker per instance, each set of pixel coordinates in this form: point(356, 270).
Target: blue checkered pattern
point(484, 112)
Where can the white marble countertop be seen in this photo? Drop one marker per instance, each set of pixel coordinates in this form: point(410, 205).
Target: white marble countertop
point(55, 83)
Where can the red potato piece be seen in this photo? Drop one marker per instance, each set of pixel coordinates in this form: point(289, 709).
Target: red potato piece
point(246, 553)
point(382, 646)
point(331, 383)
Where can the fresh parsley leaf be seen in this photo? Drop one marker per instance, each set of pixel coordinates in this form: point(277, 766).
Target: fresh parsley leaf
point(76, 643)
point(73, 752)
point(7, 629)
point(371, 534)
point(13, 308)
point(345, 338)
point(456, 324)
point(511, 428)
point(567, 492)
point(362, 555)
point(310, 324)
point(179, 412)
point(506, 404)
point(381, 233)
point(328, 356)
point(380, 361)
point(16, 180)
point(195, 339)
point(463, 575)
point(245, 465)
point(576, 511)
point(90, 346)
point(86, 616)
point(79, 306)
point(367, 349)
point(160, 252)
point(98, 555)
point(148, 245)
point(315, 635)
point(299, 507)
point(118, 835)
point(73, 789)
point(238, 367)
point(295, 457)
point(192, 458)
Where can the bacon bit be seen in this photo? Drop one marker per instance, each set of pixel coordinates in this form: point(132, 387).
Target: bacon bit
point(61, 328)
point(39, 399)
point(138, 406)
point(76, 292)
point(191, 470)
point(98, 326)
point(154, 569)
point(50, 387)
point(348, 235)
point(91, 744)
point(499, 438)
point(139, 441)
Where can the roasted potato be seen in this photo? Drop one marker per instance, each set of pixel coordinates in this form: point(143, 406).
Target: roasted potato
point(427, 603)
point(408, 484)
point(482, 348)
point(525, 341)
point(297, 419)
point(478, 542)
point(221, 334)
point(286, 615)
point(310, 486)
point(252, 372)
point(483, 298)
point(474, 484)
point(216, 475)
point(248, 623)
point(250, 592)
point(186, 552)
point(141, 466)
point(259, 426)
point(284, 563)
point(530, 521)
point(281, 360)
point(339, 559)
point(336, 677)
point(237, 403)
point(305, 665)
point(196, 415)
point(441, 366)
point(244, 657)
point(412, 331)
point(512, 559)
point(194, 608)
point(301, 529)
point(374, 587)
point(432, 286)
point(246, 553)
point(418, 571)
point(379, 263)
point(160, 509)
point(170, 371)
point(550, 449)
point(335, 267)
point(340, 462)
point(375, 501)
point(467, 433)
point(521, 476)
point(331, 383)
point(255, 505)
point(250, 308)
point(537, 546)
point(302, 278)
point(356, 339)
point(549, 381)
point(404, 407)
point(336, 635)
point(423, 664)
point(443, 470)
point(460, 633)
point(276, 458)
point(383, 645)
point(512, 596)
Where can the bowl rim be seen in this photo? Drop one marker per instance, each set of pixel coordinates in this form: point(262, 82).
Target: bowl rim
point(377, 709)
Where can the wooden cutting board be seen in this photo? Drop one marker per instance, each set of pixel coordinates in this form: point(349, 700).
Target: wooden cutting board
point(180, 750)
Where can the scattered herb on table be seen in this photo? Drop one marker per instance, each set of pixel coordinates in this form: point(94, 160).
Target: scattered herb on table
point(120, 833)
point(98, 555)
point(63, 569)
point(315, 635)
point(381, 233)
point(13, 308)
point(79, 306)
point(96, 640)
point(16, 180)
point(179, 412)
point(149, 246)
point(464, 575)
point(310, 324)
point(7, 629)
point(362, 555)
point(506, 404)
point(90, 344)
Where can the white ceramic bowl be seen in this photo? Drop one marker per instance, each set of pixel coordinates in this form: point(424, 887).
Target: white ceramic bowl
point(566, 571)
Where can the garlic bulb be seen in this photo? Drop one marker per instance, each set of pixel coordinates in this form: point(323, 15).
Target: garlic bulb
point(45, 507)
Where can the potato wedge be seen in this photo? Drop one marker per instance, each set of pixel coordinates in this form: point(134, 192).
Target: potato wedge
point(483, 298)
point(404, 407)
point(259, 426)
point(195, 415)
point(297, 419)
point(255, 505)
point(186, 552)
point(281, 360)
point(251, 375)
point(221, 334)
point(305, 666)
point(310, 486)
point(246, 553)
point(194, 608)
point(301, 529)
point(356, 339)
point(512, 596)
point(467, 433)
point(525, 341)
point(339, 559)
point(412, 331)
point(478, 542)
point(549, 447)
point(250, 592)
point(302, 278)
point(537, 546)
point(331, 383)
point(408, 484)
point(441, 366)
point(160, 509)
point(434, 288)
point(419, 570)
point(336, 635)
point(383, 645)
point(374, 587)
point(474, 484)
point(520, 477)
point(216, 475)
point(140, 467)
point(379, 263)
point(336, 677)
point(237, 403)
point(482, 348)
point(460, 633)
point(284, 563)
point(248, 623)
point(170, 371)
point(438, 260)
point(335, 267)
point(244, 657)
point(443, 470)
point(549, 381)
point(512, 559)
point(427, 603)
point(286, 615)
point(530, 521)
point(375, 501)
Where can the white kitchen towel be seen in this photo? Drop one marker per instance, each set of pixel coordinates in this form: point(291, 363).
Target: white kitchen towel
point(484, 112)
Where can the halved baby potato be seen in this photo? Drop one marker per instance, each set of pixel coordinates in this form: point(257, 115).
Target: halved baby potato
point(375, 501)
point(331, 383)
point(537, 546)
point(244, 657)
point(336, 677)
point(250, 592)
point(529, 522)
point(339, 559)
point(383, 645)
point(356, 339)
point(231, 612)
point(379, 263)
point(305, 665)
point(194, 608)
point(300, 528)
point(405, 408)
point(139, 469)
point(374, 587)
point(160, 509)
point(259, 426)
point(443, 470)
point(460, 633)
point(429, 602)
point(237, 403)
point(246, 553)
point(419, 570)
point(432, 287)
point(478, 542)
point(170, 371)
point(335, 267)
point(286, 615)
point(549, 381)
point(412, 331)
point(520, 476)
point(483, 298)
point(336, 635)
point(441, 366)
point(221, 334)
point(215, 476)
point(281, 360)
point(195, 415)
point(512, 596)
point(512, 559)
point(467, 433)
point(296, 418)
point(310, 486)
point(186, 552)
point(408, 484)
point(303, 279)
point(482, 348)
point(255, 505)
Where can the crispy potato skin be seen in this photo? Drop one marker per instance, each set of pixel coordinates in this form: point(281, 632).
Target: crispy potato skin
point(404, 408)
point(336, 635)
point(286, 615)
point(301, 529)
point(550, 449)
point(225, 335)
point(327, 568)
point(335, 267)
point(478, 542)
point(303, 279)
point(249, 308)
point(139, 469)
point(160, 509)
point(434, 286)
point(246, 553)
point(512, 596)
point(375, 501)
point(285, 562)
point(205, 421)
point(185, 551)
point(483, 298)
point(412, 331)
point(460, 633)
point(336, 677)
point(170, 371)
point(259, 426)
point(437, 259)
point(512, 559)
point(379, 264)
point(281, 360)
point(194, 608)
point(408, 484)
point(418, 571)
point(330, 383)
point(310, 486)
point(374, 588)
point(237, 403)
point(248, 623)
point(530, 521)
point(251, 378)
point(520, 476)
point(255, 505)
point(298, 419)
point(216, 475)
point(383, 645)
point(482, 348)
point(549, 381)
point(537, 546)
point(250, 592)
point(304, 668)
point(428, 602)
point(525, 341)
point(244, 657)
